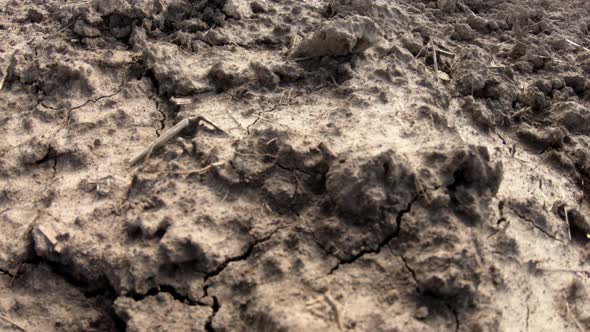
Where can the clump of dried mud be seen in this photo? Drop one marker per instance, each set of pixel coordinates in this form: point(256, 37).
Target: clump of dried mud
point(364, 165)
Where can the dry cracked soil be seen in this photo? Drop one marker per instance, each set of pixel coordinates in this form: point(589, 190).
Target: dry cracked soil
point(294, 165)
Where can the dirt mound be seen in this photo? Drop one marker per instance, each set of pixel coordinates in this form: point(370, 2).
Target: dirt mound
point(353, 34)
point(162, 311)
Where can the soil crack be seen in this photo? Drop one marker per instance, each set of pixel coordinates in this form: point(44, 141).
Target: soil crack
point(93, 100)
point(166, 289)
point(209, 323)
point(380, 246)
point(534, 224)
point(456, 315)
point(244, 256)
point(272, 109)
point(407, 267)
point(420, 292)
point(215, 306)
point(6, 272)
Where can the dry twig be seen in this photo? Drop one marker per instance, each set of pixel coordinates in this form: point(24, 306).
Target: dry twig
point(571, 314)
point(200, 170)
point(170, 134)
point(334, 306)
point(435, 61)
point(9, 70)
point(571, 42)
point(11, 322)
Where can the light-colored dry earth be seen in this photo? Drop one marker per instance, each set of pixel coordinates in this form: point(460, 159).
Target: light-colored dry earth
point(377, 165)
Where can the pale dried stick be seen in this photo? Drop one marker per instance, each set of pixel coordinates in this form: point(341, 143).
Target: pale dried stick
point(571, 314)
point(571, 42)
point(170, 134)
point(6, 319)
point(332, 304)
point(8, 71)
point(435, 61)
point(567, 221)
point(199, 171)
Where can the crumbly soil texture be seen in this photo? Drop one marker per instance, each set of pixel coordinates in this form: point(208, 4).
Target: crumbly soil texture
point(307, 165)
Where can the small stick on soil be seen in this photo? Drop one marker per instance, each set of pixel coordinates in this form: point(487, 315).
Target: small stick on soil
point(334, 81)
point(199, 171)
point(332, 304)
point(229, 113)
point(569, 313)
point(562, 270)
point(420, 53)
point(567, 222)
point(303, 59)
point(289, 97)
point(441, 51)
point(8, 71)
point(435, 62)
point(260, 155)
point(465, 8)
point(170, 134)
point(313, 301)
point(225, 196)
point(576, 45)
point(6, 319)
point(178, 101)
point(272, 140)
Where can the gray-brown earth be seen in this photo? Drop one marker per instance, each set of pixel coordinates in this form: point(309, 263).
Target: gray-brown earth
point(379, 165)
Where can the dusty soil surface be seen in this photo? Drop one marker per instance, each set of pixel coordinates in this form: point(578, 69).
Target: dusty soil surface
point(346, 165)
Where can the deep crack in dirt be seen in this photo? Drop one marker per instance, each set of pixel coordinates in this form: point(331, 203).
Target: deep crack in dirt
point(534, 224)
point(383, 243)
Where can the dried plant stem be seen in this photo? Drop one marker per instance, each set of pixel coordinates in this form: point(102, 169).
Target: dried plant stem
point(435, 60)
point(170, 134)
point(6, 319)
point(8, 71)
point(200, 170)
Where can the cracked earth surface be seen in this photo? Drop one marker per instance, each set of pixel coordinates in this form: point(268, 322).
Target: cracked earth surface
point(376, 166)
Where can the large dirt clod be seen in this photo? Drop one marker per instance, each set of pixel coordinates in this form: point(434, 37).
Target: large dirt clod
point(350, 35)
